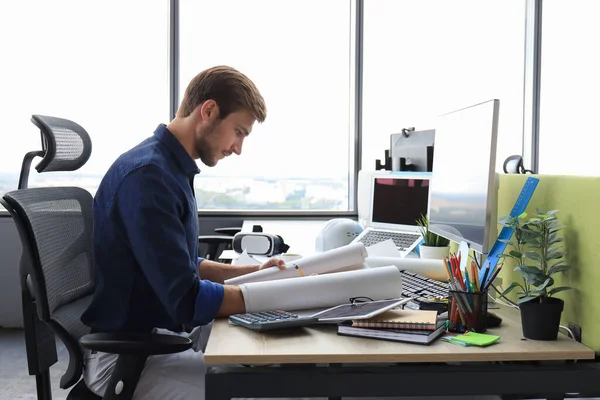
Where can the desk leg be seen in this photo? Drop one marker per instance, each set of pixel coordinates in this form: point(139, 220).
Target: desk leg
point(335, 365)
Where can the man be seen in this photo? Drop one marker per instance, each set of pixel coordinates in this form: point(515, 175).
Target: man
point(149, 276)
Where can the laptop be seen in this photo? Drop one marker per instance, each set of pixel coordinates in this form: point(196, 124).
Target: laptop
point(389, 204)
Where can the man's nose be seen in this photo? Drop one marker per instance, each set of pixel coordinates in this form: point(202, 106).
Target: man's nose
point(237, 147)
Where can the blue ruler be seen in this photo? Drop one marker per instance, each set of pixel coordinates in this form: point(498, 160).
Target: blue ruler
point(506, 233)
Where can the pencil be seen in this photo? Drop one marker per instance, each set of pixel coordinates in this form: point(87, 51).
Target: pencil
point(485, 275)
point(299, 270)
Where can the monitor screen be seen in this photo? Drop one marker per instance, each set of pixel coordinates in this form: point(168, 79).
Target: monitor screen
point(463, 193)
point(398, 200)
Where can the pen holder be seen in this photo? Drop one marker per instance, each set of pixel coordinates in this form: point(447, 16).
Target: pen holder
point(472, 310)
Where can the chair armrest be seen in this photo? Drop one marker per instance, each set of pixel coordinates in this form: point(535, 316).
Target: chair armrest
point(229, 230)
point(135, 344)
point(215, 239)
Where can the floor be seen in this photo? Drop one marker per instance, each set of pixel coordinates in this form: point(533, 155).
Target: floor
point(16, 384)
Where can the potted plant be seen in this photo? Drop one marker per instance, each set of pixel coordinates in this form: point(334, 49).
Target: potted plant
point(433, 245)
point(537, 250)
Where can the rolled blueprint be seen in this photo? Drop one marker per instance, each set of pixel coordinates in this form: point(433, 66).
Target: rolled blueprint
point(351, 256)
point(433, 269)
point(322, 290)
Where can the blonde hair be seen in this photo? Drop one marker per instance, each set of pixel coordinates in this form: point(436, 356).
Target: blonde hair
point(229, 88)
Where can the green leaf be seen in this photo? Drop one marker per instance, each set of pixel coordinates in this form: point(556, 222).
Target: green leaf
point(504, 255)
point(526, 298)
point(545, 284)
point(558, 289)
point(534, 280)
point(527, 269)
point(555, 255)
point(558, 268)
point(556, 240)
point(551, 212)
point(511, 287)
point(532, 255)
point(515, 254)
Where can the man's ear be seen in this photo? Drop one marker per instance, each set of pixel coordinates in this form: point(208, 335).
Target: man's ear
point(209, 110)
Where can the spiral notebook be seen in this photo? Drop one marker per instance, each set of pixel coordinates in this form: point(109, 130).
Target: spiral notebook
point(401, 319)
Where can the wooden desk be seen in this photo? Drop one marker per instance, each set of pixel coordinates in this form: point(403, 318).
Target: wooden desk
point(236, 345)
point(315, 361)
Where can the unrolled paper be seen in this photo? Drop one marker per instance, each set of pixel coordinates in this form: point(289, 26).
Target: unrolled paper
point(322, 290)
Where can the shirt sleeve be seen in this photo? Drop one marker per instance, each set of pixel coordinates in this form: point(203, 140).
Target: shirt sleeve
point(149, 207)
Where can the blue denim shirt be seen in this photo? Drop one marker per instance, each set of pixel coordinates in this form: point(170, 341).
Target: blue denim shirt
point(146, 243)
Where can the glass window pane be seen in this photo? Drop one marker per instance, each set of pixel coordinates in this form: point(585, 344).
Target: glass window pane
point(99, 64)
point(298, 55)
point(570, 84)
point(426, 58)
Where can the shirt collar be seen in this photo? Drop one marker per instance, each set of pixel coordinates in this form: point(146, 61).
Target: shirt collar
point(181, 156)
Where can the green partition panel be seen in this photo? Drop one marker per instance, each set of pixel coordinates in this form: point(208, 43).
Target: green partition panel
point(577, 198)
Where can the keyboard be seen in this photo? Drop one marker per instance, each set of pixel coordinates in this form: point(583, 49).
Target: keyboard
point(402, 240)
point(268, 320)
point(421, 288)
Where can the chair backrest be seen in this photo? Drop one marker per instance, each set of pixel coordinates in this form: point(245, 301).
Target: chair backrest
point(55, 226)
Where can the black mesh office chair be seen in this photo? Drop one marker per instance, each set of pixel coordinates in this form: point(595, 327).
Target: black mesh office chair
point(56, 272)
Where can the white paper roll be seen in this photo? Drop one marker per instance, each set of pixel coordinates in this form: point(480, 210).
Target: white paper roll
point(351, 256)
point(433, 269)
point(322, 290)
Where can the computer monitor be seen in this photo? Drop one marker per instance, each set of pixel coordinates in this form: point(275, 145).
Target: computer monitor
point(463, 189)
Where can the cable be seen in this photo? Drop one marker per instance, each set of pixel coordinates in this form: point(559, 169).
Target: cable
point(571, 335)
point(510, 302)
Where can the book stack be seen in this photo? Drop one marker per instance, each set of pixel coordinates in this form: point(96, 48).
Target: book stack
point(411, 326)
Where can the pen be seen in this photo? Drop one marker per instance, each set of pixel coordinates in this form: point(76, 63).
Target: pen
point(299, 270)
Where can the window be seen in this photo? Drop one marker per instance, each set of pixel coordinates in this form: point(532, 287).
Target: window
point(426, 58)
point(99, 64)
point(298, 55)
point(570, 83)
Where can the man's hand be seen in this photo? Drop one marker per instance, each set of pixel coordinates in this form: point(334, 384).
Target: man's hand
point(273, 262)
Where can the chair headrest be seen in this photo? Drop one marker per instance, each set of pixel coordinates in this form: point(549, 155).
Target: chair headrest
point(66, 144)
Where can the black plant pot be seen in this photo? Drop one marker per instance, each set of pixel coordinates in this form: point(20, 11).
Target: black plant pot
point(541, 320)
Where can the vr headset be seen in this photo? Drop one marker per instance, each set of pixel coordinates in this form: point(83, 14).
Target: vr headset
point(259, 243)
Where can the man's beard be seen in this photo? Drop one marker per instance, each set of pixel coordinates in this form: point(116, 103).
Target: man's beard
point(204, 146)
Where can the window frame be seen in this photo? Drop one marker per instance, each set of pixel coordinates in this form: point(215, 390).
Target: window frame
point(531, 103)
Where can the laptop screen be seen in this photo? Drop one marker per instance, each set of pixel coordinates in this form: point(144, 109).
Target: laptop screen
point(399, 200)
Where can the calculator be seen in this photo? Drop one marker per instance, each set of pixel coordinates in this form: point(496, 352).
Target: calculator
point(268, 320)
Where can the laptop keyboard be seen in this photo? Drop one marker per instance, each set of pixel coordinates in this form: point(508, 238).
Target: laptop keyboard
point(421, 288)
point(402, 240)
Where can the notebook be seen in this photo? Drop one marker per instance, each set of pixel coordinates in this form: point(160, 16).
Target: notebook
point(389, 204)
point(401, 319)
point(396, 335)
